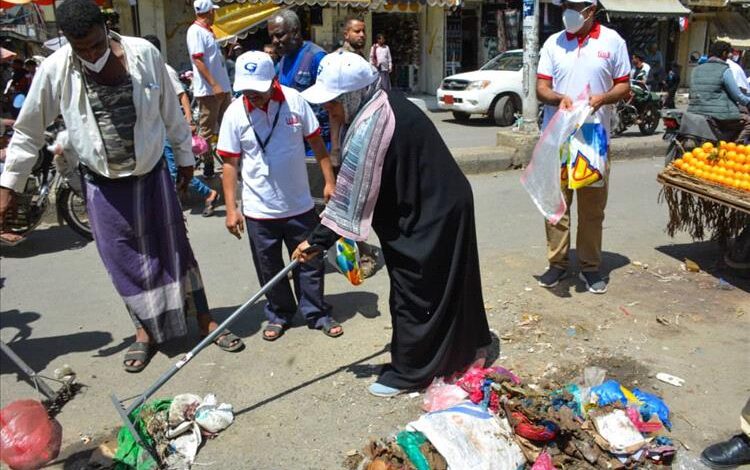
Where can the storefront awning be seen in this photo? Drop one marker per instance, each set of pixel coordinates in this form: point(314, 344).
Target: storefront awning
point(656, 8)
point(732, 28)
point(239, 19)
point(371, 4)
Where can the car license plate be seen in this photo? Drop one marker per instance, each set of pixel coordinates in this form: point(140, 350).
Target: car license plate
point(448, 99)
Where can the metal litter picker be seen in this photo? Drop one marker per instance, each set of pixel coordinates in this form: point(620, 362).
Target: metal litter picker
point(172, 371)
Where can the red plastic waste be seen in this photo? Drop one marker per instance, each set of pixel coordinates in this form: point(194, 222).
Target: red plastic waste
point(28, 437)
point(543, 462)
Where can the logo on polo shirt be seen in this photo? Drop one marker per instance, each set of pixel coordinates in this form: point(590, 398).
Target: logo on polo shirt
point(251, 67)
point(603, 54)
point(292, 120)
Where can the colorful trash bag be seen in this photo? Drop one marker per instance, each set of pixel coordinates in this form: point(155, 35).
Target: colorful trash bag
point(29, 439)
point(586, 160)
point(347, 260)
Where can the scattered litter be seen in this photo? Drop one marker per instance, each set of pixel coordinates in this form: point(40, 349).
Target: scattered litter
point(528, 319)
point(85, 438)
point(670, 379)
point(692, 266)
point(528, 289)
point(625, 311)
point(414, 394)
point(663, 321)
point(441, 395)
point(724, 285)
point(29, 437)
point(63, 372)
point(174, 428)
point(619, 432)
point(543, 462)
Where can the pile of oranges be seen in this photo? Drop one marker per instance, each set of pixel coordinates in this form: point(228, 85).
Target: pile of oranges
point(727, 165)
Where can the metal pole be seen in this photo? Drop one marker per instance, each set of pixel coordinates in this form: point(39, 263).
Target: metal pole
point(210, 338)
point(135, 17)
point(38, 381)
point(530, 62)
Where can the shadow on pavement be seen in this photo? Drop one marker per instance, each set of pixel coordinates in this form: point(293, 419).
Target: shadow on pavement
point(610, 262)
point(54, 239)
point(474, 122)
point(296, 388)
point(710, 258)
point(39, 353)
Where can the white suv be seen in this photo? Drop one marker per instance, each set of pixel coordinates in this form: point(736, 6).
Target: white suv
point(495, 90)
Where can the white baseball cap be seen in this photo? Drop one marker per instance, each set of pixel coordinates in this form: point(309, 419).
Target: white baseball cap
point(254, 71)
point(204, 6)
point(339, 73)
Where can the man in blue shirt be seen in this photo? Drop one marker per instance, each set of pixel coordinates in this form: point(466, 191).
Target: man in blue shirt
point(714, 93)
point(298, 67)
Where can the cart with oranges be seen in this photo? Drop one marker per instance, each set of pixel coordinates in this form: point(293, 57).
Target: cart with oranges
point(707, 192)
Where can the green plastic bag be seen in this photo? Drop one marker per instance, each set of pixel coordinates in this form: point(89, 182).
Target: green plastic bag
point(410, 442)
point(129, 454)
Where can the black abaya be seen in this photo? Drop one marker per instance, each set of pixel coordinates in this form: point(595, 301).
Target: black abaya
point(424, 218)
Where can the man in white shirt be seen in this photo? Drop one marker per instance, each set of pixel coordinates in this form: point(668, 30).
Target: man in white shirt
point(118, 105)
point(739, 75)
point(584, 59)
point(210, 196)
point(265, 132)
point(380, 58)
point(211, 86)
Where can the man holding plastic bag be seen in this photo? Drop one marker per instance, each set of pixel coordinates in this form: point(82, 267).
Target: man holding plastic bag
point(582, 72)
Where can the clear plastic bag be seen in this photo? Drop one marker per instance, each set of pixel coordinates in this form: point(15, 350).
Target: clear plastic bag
point(542, 176)
point(441, 395)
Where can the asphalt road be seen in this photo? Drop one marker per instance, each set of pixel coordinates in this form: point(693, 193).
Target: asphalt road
point(301, 402)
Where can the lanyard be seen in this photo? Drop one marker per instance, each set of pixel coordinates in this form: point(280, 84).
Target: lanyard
point(263, 143)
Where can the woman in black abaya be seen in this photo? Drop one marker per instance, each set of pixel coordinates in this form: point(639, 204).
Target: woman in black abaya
point(399, 178)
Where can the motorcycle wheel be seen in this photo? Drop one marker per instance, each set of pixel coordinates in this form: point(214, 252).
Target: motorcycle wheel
point(649, 119)
point(72, 207)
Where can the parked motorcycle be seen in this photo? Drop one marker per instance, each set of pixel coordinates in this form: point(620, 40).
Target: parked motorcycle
point(643, 110)
point(50, 175)
point(685, 131)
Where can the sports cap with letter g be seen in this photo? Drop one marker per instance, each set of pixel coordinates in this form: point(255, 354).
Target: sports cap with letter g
point(339, 73)
point(253, 71)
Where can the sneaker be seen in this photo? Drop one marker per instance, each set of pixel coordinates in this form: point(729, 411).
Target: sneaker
point(380, 390)
point(551, 277)
point(594, 282)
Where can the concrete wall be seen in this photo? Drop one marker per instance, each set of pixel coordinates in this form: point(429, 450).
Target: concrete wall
point(178, 17)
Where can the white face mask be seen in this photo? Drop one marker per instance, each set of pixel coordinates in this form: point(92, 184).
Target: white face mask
point(573, 20)
point(97, 66)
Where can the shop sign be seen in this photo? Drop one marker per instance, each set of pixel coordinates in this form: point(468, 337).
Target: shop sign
point(528, 8)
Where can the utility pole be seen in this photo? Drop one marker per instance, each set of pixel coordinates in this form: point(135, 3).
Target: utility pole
point(530, 62)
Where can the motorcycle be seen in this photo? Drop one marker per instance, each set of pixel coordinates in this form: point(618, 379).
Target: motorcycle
point(685, 131)
point(643, 111)
point(50, 175)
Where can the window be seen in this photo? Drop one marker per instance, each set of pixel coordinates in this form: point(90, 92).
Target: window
point(507, 61)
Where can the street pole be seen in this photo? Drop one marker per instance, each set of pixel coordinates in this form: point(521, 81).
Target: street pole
point(530, 61)
point(136, 17)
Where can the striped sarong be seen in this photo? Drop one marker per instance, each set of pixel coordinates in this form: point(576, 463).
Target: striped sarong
point(140, 233)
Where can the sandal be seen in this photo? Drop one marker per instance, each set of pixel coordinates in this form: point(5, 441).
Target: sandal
point(208, 211)
point(329, 324)
point(276, 329)
point(137, 351)
point(229, 342)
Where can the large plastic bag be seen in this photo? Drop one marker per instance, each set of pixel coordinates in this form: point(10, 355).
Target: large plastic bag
point(470, 438)
point(28, 437)
point(542, 176)
point(587, 155)
point(651, 404)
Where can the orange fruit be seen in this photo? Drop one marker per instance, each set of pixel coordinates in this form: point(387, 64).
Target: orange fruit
point(722, 144)
point(721, 171)
point(731, 155)
point(700, 174)
point(731, 165)
point(741, 159)
point(740, 148)
point(684, 155)
point(731, 146)
point(707, 147)
point(745, 186)
point(721, 179)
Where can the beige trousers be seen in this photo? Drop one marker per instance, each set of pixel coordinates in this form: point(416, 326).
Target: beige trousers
point(591, 204)
point(211, 112)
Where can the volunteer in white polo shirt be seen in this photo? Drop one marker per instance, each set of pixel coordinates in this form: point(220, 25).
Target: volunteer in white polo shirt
point(265, 132)
point(211, 85)
point(584, 59)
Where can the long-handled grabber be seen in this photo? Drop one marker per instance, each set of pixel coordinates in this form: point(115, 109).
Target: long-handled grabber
point(141, 399)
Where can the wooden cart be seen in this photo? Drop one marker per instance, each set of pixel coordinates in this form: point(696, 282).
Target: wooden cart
point(708, 210)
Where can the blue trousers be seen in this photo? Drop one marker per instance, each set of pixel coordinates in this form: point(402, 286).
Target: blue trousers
point(266, 239)
point(195, 184)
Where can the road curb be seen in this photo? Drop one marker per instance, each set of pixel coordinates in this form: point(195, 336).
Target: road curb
point(514, 151)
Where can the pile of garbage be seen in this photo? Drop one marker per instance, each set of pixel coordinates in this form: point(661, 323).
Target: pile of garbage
point(489, 419)
point(174, 428)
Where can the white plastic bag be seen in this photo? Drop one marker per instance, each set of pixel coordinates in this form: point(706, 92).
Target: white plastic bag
point(543, 175)
point(470, 438)
point(213, 417)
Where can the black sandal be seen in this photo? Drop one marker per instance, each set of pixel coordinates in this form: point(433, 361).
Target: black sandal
point(329, 324)
point(137, 351)
point(276, 329)
point(225, 340)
